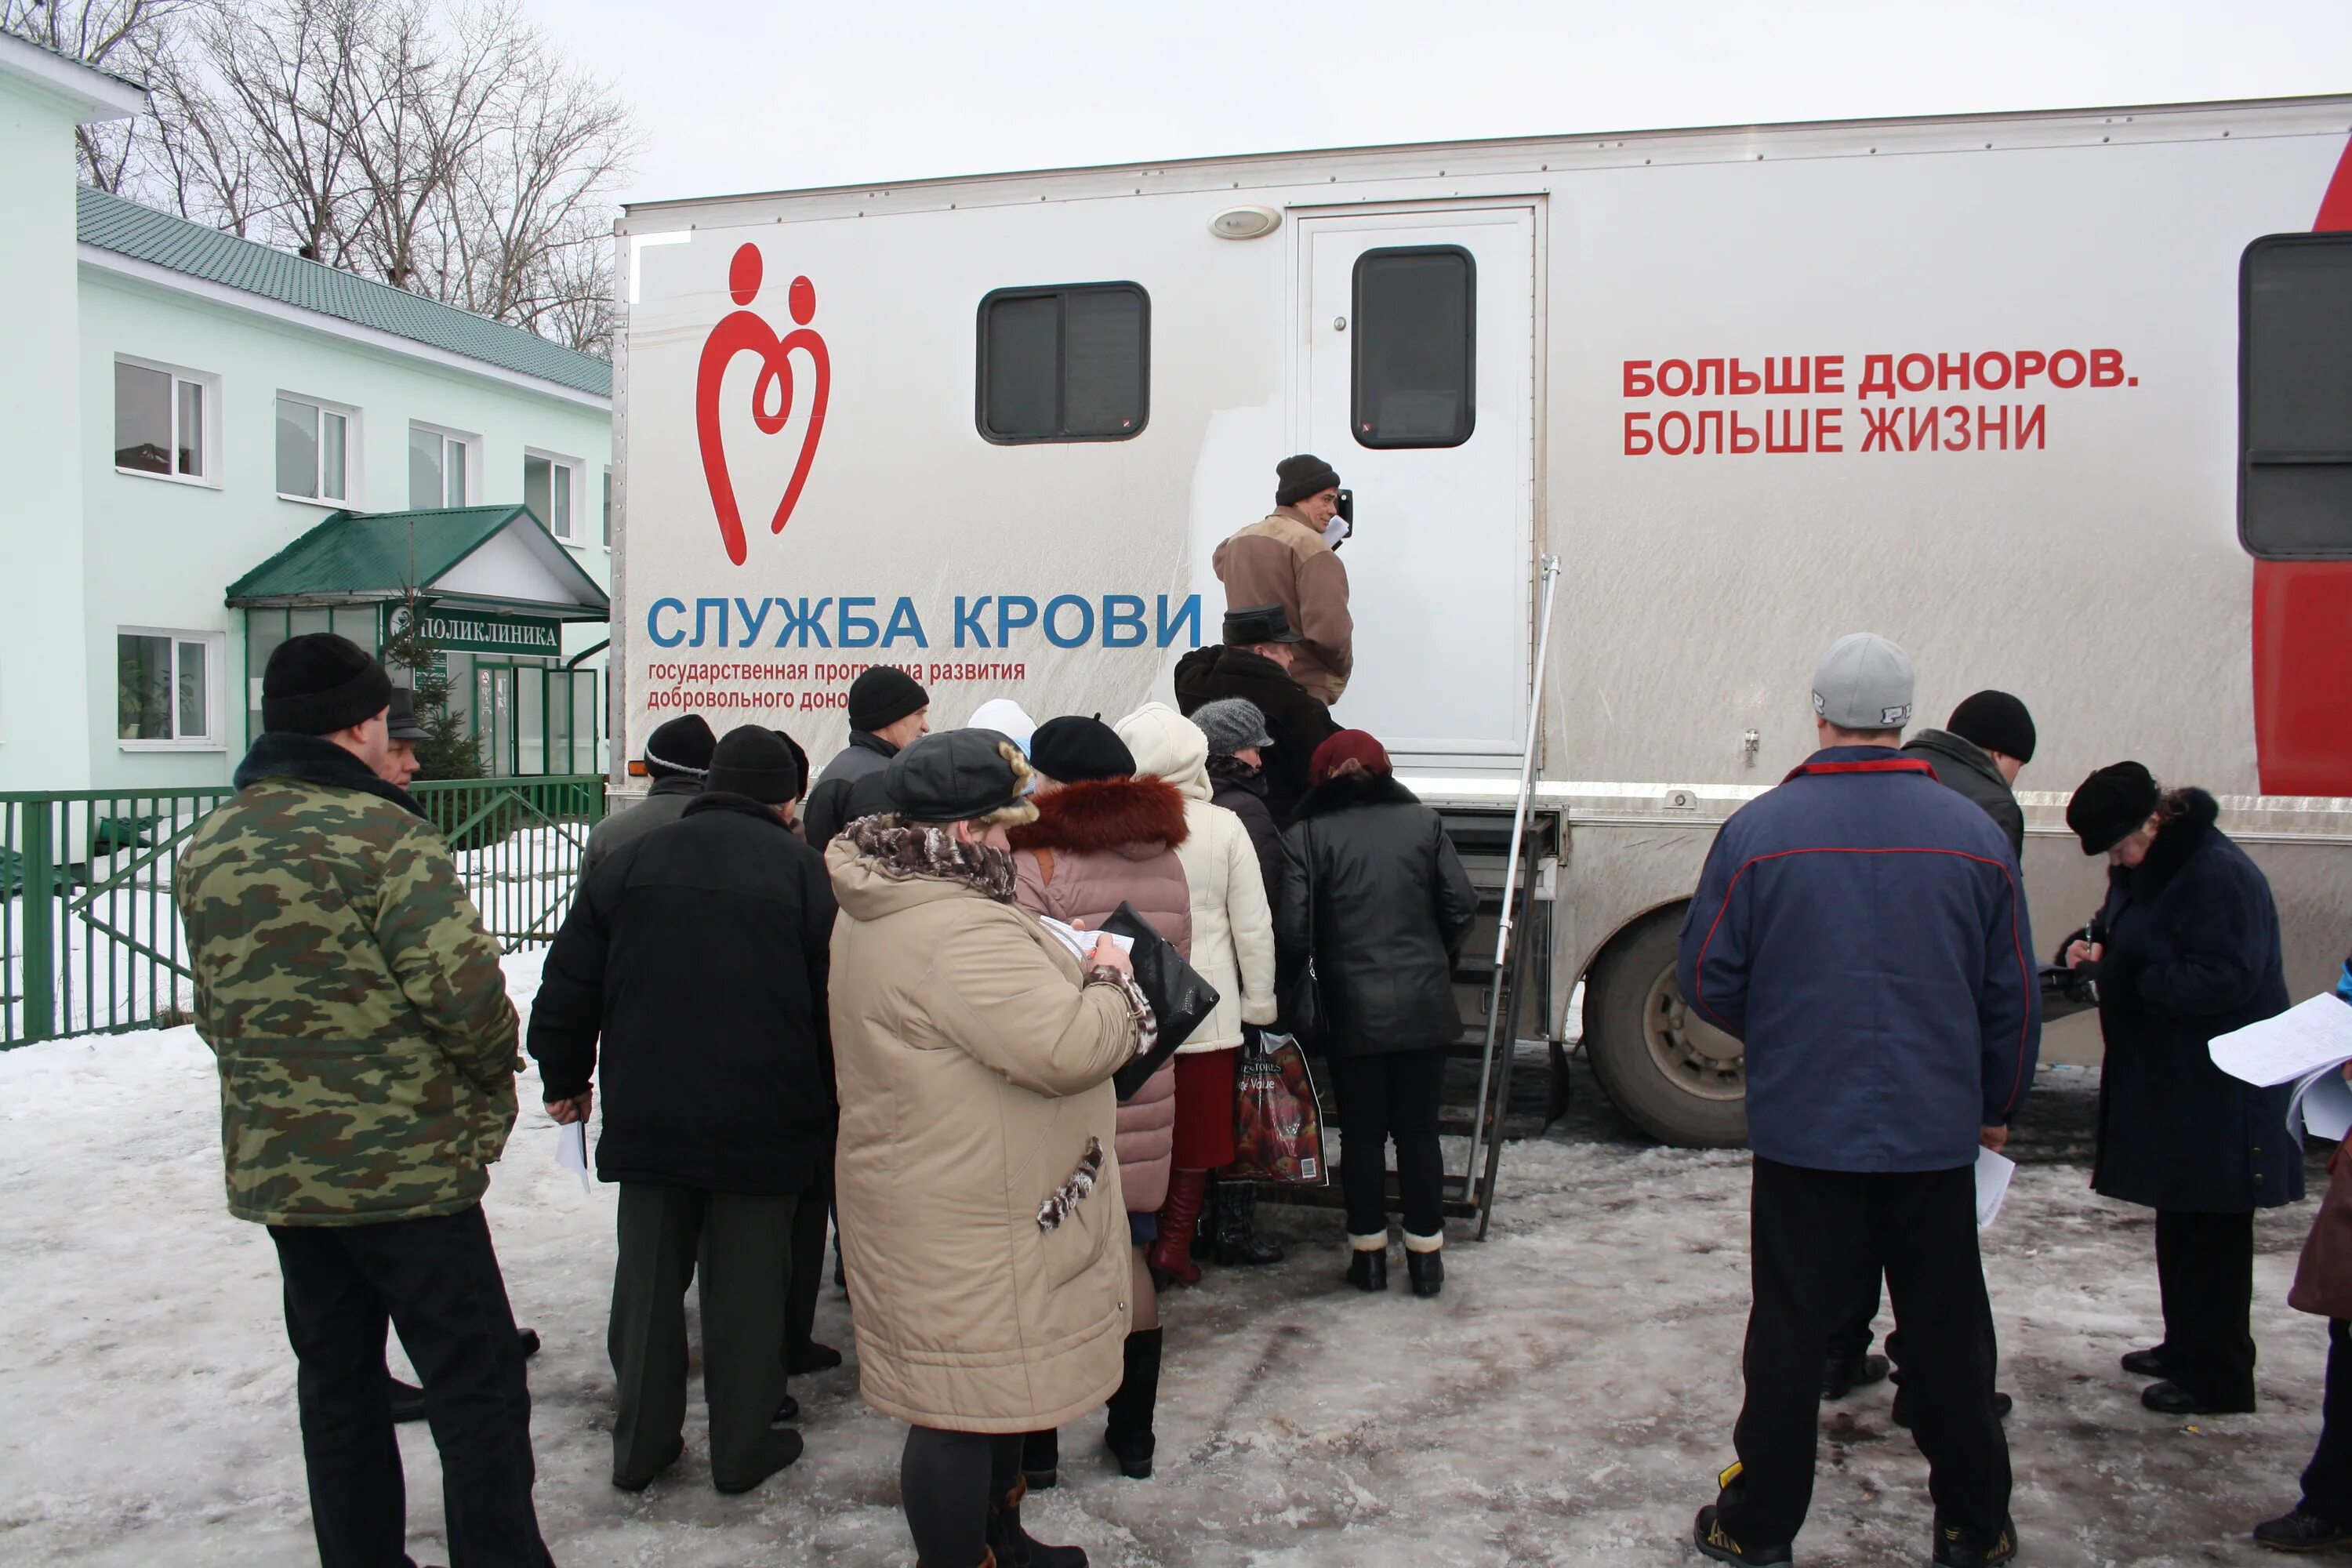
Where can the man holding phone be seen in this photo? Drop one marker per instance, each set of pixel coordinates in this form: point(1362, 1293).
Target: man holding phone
point(1291, 558)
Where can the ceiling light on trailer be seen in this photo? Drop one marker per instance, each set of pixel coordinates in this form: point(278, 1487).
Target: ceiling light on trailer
point(1245, 222)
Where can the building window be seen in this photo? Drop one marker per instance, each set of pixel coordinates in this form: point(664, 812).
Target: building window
point(1415, 331)
point(439, 464)
point(608, 509)
point(1072, 363)
point(163, 421)
point(166, 689)
point(549, 485)
point(2294, 397)
point(314, 450)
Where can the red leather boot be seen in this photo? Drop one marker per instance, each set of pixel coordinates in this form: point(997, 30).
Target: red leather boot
point(1170, 1257)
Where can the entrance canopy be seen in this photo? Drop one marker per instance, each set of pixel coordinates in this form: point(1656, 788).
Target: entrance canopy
point(494, 559)
point(495, 589)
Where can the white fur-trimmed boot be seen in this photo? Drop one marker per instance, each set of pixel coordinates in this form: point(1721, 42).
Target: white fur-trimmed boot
point(1368, 1261)
point(1424, 1262)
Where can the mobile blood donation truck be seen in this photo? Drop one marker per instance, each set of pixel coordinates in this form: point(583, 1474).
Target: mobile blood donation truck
point(2061, 402)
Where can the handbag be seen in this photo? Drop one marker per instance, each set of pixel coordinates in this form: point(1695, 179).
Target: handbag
point(1181, 1000)
point(1277, 1120)
point(2323, 1275)
point(1300, 1001)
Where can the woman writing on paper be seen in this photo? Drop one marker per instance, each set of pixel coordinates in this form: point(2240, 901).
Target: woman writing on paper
point(2186, 948)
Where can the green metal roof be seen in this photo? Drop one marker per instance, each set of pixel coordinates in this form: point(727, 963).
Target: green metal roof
point(111, 223)
point(364, 555)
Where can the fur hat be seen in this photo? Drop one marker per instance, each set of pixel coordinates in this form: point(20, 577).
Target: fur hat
point(318, 683)
point(961, 775)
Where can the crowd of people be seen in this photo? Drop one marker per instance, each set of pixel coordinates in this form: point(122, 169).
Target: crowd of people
point(878, 1001)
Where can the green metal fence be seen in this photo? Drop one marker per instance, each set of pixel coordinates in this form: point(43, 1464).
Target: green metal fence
point(89, 937)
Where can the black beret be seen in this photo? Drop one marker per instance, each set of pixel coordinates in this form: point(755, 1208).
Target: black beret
point(1074, 750)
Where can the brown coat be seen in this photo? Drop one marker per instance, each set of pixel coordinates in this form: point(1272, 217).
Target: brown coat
point(1283, 561)
point(974, 1068)
point(2323, 1275)
point(1092, 847)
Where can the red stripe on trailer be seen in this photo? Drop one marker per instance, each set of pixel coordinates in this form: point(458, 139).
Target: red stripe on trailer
point(2302, 635)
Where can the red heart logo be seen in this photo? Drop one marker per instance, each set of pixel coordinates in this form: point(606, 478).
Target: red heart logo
point(742, 332)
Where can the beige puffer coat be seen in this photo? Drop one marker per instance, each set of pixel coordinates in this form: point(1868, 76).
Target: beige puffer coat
point(1092, 847)
point(1233, 924)
point(974, 1069)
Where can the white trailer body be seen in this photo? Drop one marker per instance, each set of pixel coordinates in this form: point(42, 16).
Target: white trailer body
point(1972, 383)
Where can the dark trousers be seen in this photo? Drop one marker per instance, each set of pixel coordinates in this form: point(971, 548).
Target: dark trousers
point(1811, 1235)
point(2328, 1479)
point(946, 1482)
point(2205, 1273)
point(806, 1264)
point(739, 1246)
point(437, 1281)
point(1390, 1095)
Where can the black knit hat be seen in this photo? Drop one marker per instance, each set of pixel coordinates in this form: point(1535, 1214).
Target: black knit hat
point(680, 748)
point(959, 776)
point(800, 757)
point(1305, 475)
point(882, 696)
point(2111, 806)
point(756, 761)
point(318, 683)
point(1074, 750)
point(1996, 721)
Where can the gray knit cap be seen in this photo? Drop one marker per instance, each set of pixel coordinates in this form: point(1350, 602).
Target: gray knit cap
point(1231, 723)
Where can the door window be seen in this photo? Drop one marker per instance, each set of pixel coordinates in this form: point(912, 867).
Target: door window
point(1415, 326)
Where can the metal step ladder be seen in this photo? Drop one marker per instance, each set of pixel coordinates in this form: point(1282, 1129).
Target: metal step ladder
point(1506, 953)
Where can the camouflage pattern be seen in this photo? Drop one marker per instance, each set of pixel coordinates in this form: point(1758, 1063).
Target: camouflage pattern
point(366, 1047)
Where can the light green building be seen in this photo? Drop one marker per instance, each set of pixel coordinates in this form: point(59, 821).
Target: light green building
point(213, 445)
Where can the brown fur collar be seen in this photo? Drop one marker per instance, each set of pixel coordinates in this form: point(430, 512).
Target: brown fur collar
point(1105, 814)
point(905, 850)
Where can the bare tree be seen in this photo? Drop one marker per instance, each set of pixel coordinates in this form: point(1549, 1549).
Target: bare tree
point(444, 146)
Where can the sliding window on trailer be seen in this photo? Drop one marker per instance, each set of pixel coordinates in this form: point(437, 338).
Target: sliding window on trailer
point(2295, 397)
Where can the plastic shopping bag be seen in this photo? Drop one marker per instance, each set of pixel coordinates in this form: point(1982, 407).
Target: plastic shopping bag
point(1279, 1122)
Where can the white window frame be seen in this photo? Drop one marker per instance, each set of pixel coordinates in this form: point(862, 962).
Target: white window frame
point(216, 645)
point(571, 534)
point(350, 500)
point(471, 440)
point(210, 385)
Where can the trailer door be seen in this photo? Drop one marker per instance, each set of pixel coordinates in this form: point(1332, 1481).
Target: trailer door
point(1418, 384)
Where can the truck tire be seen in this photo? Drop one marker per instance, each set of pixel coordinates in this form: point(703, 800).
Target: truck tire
point(1677, 1078)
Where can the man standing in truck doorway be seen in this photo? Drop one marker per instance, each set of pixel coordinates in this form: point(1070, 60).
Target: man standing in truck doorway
point(1291, 558)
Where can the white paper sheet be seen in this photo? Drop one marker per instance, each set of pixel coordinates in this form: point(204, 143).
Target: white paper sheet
point(1993, 1171)
point(1082, 943)
point(2322, 1105)
point(2299, 1042)
point(571, 1150)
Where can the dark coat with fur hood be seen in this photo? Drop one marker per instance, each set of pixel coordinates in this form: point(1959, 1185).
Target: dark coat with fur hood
point(2192, 952)
point(1370, 880)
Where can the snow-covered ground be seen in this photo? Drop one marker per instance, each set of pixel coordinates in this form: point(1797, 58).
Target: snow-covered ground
point(1567, 1401)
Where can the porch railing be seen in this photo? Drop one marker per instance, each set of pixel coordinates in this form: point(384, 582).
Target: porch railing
point(90, 939)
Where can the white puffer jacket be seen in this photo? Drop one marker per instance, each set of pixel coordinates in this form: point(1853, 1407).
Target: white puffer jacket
point(1232, 928)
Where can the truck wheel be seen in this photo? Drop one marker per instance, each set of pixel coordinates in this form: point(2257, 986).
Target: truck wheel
point(1677, 1077)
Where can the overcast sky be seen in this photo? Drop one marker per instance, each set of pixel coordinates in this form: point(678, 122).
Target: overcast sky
point(744, 95)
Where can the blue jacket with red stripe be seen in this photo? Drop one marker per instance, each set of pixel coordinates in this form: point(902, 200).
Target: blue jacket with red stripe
point(1862, 928)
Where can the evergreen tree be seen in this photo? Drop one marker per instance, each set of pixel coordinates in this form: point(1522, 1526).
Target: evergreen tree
point(447, 752)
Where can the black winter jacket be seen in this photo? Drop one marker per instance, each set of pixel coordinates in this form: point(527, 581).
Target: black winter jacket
point(829, 808)
point(1964, 766)
point(1295, 720)
point(1374, 875)
point(698, 951)
point(1241, 789)
point(2192, 952)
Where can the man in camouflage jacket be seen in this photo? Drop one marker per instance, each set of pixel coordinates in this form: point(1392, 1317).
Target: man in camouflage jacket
point(367, 1060)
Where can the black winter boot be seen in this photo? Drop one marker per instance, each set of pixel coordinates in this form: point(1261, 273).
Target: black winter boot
point(2300, 1532)
point(1128, 1434)
point(1425, 1265)
point(1954, 1547)
point(1368, 1268)
point(1041, 1460)
point(1012, 1545)
point(1238, 1242)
